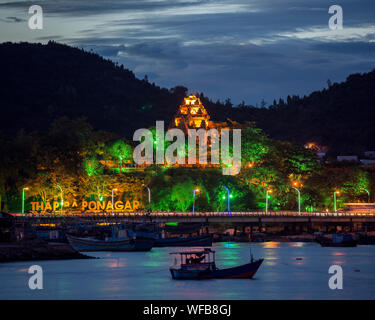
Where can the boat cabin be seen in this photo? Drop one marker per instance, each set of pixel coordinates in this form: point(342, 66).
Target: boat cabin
point(197, 260)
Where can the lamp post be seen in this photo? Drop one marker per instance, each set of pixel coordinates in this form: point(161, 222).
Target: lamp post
point(228, 199)
point(149, 196)
point(368, 193)
point(23, 199)
point(334, 199)
point(113, 190)
point(299, 197)
point(196, 190)
point(61, 199)
point(267, 192)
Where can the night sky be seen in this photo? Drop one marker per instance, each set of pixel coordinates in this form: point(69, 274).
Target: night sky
point(242, 49)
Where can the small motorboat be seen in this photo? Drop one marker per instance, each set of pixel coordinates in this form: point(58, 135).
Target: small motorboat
point(338, 240)
point(199, 265)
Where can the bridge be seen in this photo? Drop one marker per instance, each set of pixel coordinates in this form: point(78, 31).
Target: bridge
point(261, 220)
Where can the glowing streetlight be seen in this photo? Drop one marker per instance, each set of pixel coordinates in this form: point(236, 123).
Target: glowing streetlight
point(267, 192)
point(229, 196)
point(23, 199)
point(368, 193)
point(196, 190)
point(149, 196)
point(334, 199)
point(61, 199)
point(299, 196)
point(113, 190)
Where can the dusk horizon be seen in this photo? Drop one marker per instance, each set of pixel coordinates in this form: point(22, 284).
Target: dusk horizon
point(245, 51)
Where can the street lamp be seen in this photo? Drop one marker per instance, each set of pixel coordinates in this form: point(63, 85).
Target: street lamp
point(368, 192)
point(196, 190)
point(23, 199)
point(267, 192)
point(334, 199)
point(299, 197)
point(228, 199)
point(149, 196)
point(113, 190)
point(61, 198)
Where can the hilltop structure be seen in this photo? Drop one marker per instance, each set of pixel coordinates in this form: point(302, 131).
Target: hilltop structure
point(191, 114)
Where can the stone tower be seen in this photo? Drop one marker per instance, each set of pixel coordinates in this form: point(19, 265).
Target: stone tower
point(191, 115)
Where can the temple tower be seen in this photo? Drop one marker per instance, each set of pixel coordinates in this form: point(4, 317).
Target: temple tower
point(191, 114)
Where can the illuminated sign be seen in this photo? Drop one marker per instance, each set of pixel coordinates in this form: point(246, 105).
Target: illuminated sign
point(91, 206)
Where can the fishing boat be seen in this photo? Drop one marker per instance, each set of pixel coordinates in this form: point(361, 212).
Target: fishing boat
point(123, 239)
point(338, 240)
point(193, 241)
point(200, 265)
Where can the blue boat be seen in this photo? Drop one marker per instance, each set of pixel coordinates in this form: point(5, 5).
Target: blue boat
point(123, 239)
point(200, 265)
point(338, 240)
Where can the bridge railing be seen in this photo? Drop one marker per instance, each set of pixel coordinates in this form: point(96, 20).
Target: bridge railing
point(202, 214)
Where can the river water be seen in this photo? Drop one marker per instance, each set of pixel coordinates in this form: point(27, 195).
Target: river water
point(145, 275)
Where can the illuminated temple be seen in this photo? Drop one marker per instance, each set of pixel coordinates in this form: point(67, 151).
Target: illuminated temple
point(191, 114)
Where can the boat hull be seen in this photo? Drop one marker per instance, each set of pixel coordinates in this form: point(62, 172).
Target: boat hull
point(246, 271)
point(343, 244)
point(87, 244)
point(196, 241)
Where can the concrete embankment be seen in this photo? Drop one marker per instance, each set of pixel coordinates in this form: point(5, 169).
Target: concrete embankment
point(38, 250)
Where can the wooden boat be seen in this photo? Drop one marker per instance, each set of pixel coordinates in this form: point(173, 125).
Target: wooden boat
point(194, 241)
point(121, 240)
point(338, 240)
point(91, 244)
point(200, 265)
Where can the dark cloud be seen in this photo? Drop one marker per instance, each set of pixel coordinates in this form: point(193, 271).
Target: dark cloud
point(13, 19)
point(246, 50)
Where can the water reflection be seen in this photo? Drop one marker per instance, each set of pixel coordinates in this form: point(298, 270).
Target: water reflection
point(145, 275)
point(271, 245)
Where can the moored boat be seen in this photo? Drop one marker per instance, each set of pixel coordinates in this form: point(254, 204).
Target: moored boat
point(338, 240)
point(91, 244)
point(200, 265)
point(125, 239)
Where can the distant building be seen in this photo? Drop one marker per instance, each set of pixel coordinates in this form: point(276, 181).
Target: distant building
point(370, 154)
point(321, 154)
point(360, 207)
point(367, 162)
point(321, 151)
point(347, 158)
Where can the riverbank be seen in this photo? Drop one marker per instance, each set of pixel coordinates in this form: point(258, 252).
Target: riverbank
point(38, 249)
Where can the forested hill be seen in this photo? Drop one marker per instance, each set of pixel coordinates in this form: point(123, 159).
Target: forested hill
point(40, 83)
point(341, 116)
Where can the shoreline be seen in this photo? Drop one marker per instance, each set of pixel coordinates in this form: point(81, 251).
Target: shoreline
point(34, 250)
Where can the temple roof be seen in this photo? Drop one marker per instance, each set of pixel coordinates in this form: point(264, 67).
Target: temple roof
point(191, 114)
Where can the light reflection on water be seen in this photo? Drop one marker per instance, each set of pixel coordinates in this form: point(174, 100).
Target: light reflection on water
point(290, 271)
